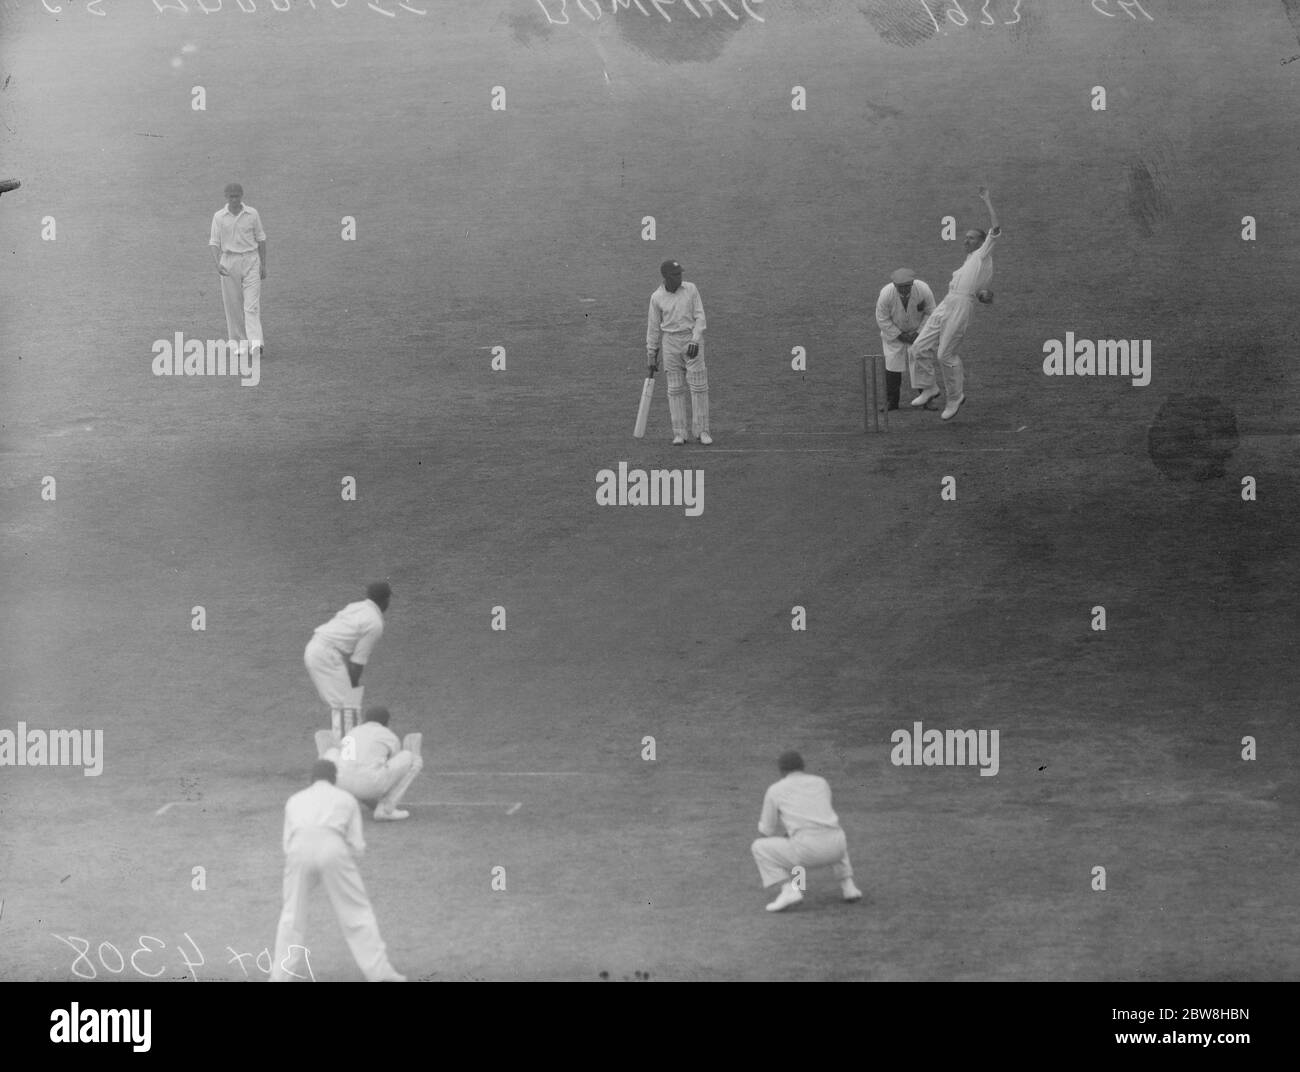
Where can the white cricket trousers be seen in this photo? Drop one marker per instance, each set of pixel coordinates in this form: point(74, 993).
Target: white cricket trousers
point(321, 857)
point(777, 856)
point(683, 371)
point(329, 673)
point(241, 294)
point(940, 337)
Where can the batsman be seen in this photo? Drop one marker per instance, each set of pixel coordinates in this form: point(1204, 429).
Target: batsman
point(675, 329)
point(338, 652)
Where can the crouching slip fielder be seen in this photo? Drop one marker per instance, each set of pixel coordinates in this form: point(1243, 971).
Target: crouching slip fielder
point(802, 804)
point(944, 331)
point(676, 325)
point(374, 766)
point(339, 650)
point(322, 829)
point(901, 308)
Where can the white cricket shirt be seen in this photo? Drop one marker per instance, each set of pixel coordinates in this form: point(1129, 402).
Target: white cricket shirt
point(682, 310)
point(800, 801)
point(236, 234)
point(373, 745)
point(976, 271)
point(323, 807)
point(354, 630)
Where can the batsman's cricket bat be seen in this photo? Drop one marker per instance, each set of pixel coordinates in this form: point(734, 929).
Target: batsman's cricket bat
point(643, 414)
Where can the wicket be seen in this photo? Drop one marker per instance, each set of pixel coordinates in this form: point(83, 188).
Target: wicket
point(343, 721)
point(873, 392)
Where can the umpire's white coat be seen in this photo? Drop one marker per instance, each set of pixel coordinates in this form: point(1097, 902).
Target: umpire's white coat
point(894, 318)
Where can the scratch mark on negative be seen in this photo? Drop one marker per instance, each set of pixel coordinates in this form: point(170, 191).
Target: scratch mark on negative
point(175, 803)
point(462, 804)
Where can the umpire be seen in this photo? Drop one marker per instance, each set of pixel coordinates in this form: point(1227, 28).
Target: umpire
point(901, 309)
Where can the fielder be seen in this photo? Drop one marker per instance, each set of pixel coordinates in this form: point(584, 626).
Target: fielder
point(676, 326)
point(322, 831)
point(802, 804)
point(338, 652)
point(374, 766)
point(899, 318)
point(239, 242)
point(944, 331)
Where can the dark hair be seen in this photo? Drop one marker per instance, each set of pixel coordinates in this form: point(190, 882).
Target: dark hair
point(377, 714)
point(379, 591)
point(324, 768)
point(981, 232)
point(790, 761)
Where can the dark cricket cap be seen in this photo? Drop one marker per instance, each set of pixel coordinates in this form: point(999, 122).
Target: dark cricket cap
point(379, 591)
point(669, 266)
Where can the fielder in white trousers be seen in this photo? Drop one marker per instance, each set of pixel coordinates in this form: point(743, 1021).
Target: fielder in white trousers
point(322, 831)
point(239, 242)
point(800, 802)
point(241, 294)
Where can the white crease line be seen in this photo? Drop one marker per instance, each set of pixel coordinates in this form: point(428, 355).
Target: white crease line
point(173, 803)
point(769, 450)
point(513, 808)
point(507, 774)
